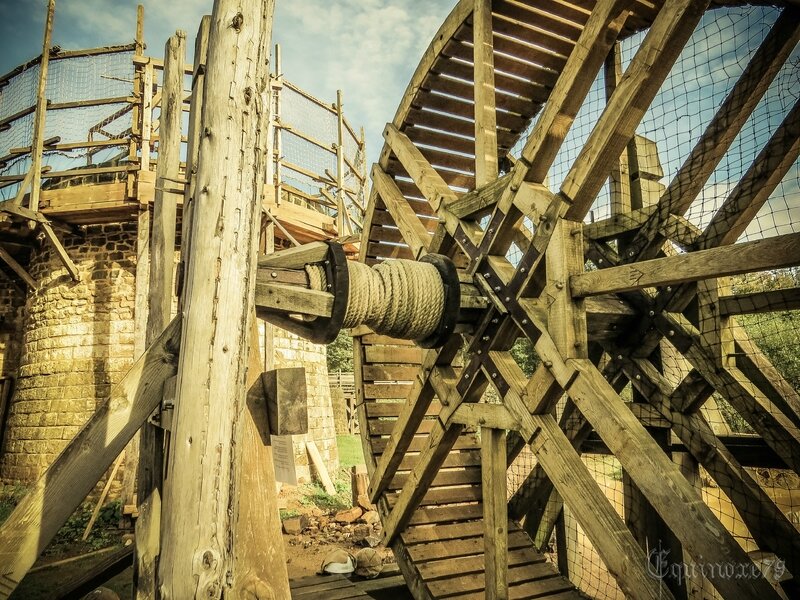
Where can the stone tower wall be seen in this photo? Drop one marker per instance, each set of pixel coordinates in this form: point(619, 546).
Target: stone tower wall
point(77, 341)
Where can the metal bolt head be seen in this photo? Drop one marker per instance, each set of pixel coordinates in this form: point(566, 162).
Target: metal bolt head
point(495, 321)
point(487, 275)
point(273, 274)
point(652, 313)
point(494, 375)
point(548, 363)
point(524, 321)
point(466, 376)
point(671, 332)
point(619, 356)
point(669, 288)
point(485, 338)
point(559, 285)
point(638, 377)
point(508, 298)
point(631, 253)
point(497, 288)
point(491, 230)
point(522, 269)
point(600, 262)
point(480, 351)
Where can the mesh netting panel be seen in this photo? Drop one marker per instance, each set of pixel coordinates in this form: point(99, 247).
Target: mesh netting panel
point(308, 142)
point(75, 79)
point(747, 324)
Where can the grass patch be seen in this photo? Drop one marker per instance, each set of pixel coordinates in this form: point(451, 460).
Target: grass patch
point(314, 494)
point(351, 452)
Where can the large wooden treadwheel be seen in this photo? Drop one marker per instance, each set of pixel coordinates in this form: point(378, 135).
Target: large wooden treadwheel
point(437, 450)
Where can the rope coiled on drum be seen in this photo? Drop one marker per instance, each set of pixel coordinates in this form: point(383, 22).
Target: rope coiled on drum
point(398, 298)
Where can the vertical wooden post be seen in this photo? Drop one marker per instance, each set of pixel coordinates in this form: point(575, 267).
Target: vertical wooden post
point(193, 147)
point(342, 220)
point(215, 543)
point(277, 85)
point(495, 512)
point(41, 110)
point(147, 116)
point(620, 173)
point(142, 267)
point(485, 112)
point(162, 256)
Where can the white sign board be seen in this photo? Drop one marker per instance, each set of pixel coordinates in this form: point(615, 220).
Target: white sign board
point(283, 459)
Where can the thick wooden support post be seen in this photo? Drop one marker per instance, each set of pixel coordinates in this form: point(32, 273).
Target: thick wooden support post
point(75, 472)
point(485, 112)
point(207, 550)
point(162, 256)
point(41, 109)
point(495, 512)
point(619, 182)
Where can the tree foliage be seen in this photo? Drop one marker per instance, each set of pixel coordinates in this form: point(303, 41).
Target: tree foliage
point(340, 353)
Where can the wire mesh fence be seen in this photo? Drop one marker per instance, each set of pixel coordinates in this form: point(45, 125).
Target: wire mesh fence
point(309, 137)
point(89, 100)
point(747, 325)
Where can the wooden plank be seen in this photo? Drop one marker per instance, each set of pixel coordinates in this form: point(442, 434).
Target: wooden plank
point(283, 298)
point(60, 251)
point(429, 182)
point(485, 112)
point(74, 473)
point(208, 474)
point(414, 409)
point(637, 88)
point(495, 512)
point(421, 553)
point(295, 258)
point(494, 416)
point(759, 255)
point(467, 565)
point(17, 268)
point(411, 228)
point(760, 302)
point(722, 130)
point(319, 465)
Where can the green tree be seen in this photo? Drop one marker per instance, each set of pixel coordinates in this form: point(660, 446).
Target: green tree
point(340, 353)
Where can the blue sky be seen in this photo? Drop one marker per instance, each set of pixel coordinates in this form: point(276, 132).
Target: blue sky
point(367, 48)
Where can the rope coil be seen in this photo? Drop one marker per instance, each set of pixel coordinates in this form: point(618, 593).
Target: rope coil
point(398, 298)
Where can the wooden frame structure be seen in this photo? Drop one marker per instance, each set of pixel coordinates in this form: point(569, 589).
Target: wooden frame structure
point(440, 489)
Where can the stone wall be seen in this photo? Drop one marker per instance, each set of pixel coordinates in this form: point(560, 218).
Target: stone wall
point(77, 342)
point(293, 351)
point(12, 303)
